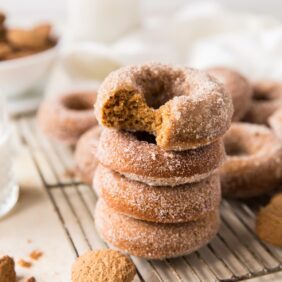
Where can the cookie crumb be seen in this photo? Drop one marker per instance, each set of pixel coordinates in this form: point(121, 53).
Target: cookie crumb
point(7, 269)
point(103, 265)
point(35, 255)
point(24, 263)
point(30, 279)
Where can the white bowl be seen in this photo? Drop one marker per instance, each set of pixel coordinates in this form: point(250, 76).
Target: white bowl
point(17, 76)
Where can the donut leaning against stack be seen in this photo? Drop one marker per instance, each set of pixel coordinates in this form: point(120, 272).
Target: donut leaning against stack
point(159, 154)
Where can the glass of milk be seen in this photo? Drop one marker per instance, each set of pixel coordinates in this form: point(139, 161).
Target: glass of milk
point(9, 190)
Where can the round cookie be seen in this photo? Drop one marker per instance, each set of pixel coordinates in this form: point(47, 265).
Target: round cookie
point(238, 86)
point(85, 156)
point(136, 156)
point(164, 204)
point(65, 118)
point(267, 98)
point(102, 266)
point(254, 161)
point(154, 240)
point(184, 108)
point(275, 122)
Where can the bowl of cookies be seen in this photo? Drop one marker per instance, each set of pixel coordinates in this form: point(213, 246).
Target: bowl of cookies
point(26, 56)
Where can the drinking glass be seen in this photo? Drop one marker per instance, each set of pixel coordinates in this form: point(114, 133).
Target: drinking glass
point(9, 190)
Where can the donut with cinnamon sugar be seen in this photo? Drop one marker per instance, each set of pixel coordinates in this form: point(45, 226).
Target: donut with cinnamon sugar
point(162, 204)
point(154, 240)
point(184, 108)
point(254, 161)
point(66, 117)
point(275, 122)
point(136, 156)
point(267, 98)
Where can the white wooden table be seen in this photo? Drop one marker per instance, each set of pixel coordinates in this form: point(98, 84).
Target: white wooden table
point(55, 216)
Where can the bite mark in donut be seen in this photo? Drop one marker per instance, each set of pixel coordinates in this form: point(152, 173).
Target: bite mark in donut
point(184, 108)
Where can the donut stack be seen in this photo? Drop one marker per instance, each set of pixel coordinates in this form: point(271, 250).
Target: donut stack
point(159, 189)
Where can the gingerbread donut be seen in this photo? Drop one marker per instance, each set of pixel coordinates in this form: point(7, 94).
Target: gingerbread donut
point(162, 204)
point(254, 162)
point(136, 156)
point(84, 154)
point(154, 240)
point(238, 86)
point(67, 117)
point(184, 108)
point(275, 122)
point(267, 99)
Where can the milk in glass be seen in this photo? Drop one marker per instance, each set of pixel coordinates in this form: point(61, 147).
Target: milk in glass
point(9, 190)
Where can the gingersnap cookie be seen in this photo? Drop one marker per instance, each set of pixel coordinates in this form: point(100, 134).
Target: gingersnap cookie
point(267, 98)
point(184, 108)
point(136, 156)
point(162, 204)
point(275, 122)
point(238, 86)
point(103, 266)
point(269, 222)
point(254, 161)
point(85, 156)
point(7, 269)
point(67, 117)
point(154, 240)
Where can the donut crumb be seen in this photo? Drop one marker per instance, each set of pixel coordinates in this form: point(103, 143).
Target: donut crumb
point(35, 255)
point(24, 263)
point(30, 279)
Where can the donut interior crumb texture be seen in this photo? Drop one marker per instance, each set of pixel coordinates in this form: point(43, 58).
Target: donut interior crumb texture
point(103, 266)
point(7, 269)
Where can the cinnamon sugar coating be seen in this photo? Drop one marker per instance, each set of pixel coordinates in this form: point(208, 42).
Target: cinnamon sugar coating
point(162, 204)
point(254, 161)
point(103, 266)
point(269, 222)
point(67, 117)
point(267, 99)
point(143, 161)
point(154, 240)
point(275, 122)
point(239, 88)
point(184, 108)
point(85, 156)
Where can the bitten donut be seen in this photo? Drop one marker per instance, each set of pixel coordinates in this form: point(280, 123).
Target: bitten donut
point(254, 161)
point(162, 204)
point(154, 240)
point(238, 86)
point(136, 156)
point(67, 117)
point(275, 122)
point(267, 98)
point(85, 156)
point(184, 108)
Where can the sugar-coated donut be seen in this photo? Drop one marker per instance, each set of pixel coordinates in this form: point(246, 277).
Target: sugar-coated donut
point(132, 155)
point(275, 122)
point(254, 161)
point(184, 108)
point(267, 98)
point(154, 240)
point(85, 156)
point(238, 86)
point(162, 204)
point(67, 117)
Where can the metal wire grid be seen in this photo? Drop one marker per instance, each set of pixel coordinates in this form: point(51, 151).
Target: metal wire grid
point(234, 255)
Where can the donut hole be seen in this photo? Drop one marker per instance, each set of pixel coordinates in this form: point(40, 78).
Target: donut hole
point(144, 136)
point(158, 87)
point(262, 96)
point(234, 148)
point(78, 102)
